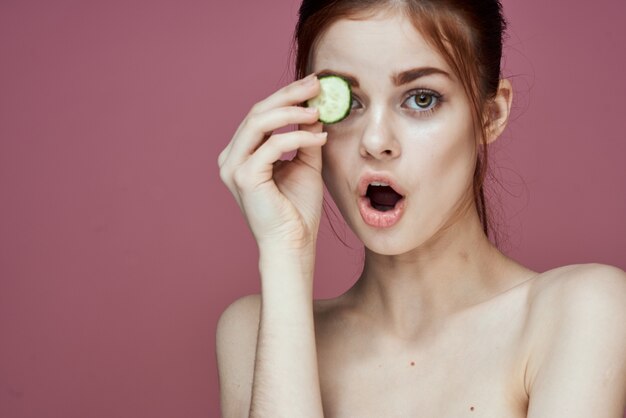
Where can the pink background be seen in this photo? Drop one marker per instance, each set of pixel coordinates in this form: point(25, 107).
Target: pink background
point(119, 246)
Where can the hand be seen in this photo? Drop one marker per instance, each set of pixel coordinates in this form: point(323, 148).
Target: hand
point(281, 200)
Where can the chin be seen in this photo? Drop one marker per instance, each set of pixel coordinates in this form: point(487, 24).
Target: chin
point(384, 243)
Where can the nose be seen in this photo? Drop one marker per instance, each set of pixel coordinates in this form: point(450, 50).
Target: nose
point(377, 139)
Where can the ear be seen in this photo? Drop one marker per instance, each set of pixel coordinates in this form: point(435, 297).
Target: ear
point(498, 111)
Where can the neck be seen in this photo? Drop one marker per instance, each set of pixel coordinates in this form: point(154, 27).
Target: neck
point(454, 271)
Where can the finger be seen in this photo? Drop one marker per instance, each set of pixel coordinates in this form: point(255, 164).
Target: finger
point(314, 127)
point(256, 129)
point(292, 94)
point(259, 168)
point(297, 92)
point(311, 156)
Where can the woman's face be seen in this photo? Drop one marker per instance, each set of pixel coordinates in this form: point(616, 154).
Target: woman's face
point(410, 126)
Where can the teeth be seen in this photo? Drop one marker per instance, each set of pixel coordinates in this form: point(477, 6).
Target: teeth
point(378, 183)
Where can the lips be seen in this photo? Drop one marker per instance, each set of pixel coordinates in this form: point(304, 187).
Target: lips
point(381, 200)
point(370, 178)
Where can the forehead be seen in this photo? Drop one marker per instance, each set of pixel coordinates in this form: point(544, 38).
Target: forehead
point(381, 43)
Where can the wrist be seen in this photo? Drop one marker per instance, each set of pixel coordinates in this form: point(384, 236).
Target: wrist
point(272, 253)
point(286, 262)
point(287, 266)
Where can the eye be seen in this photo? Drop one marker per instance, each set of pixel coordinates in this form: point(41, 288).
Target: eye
point(355, 103)
point(422, 100)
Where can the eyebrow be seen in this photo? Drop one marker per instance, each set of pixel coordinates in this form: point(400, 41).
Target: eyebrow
point(398, 79)
point(349, 78)
point(415, 73)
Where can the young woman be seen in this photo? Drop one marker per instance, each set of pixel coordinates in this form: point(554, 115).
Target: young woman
point(440, 322)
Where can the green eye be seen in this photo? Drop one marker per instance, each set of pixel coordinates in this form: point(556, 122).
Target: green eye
point(422, 100)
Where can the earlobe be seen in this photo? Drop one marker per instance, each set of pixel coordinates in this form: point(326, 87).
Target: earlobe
point(498, 111)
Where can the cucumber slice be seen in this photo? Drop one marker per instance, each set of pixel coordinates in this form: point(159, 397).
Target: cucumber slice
point(334, 100)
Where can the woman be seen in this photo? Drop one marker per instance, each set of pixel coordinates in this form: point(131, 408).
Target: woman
point(440, 322)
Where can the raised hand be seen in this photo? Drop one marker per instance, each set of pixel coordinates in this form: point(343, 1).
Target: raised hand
point(281, 200)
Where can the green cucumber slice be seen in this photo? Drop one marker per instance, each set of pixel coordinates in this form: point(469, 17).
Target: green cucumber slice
point(334, 101)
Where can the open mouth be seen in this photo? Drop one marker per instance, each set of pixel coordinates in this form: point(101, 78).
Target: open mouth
point(382, 196)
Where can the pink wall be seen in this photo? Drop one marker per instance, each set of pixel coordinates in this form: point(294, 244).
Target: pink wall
point(119, 246)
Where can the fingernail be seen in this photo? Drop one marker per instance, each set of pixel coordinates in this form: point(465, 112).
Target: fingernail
point(311, 109)
point(321, 134)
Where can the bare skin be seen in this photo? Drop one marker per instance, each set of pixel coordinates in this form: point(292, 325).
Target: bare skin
point(483, 361)
point(440, 323)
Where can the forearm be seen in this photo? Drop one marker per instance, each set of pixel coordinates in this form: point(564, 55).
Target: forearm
point(286, 381)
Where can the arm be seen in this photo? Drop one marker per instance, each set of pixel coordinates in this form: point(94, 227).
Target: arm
point(266, 343)
point(286, 381)
point(579, 370)
point(271, 370)
point(236, 337)
point(269, 349)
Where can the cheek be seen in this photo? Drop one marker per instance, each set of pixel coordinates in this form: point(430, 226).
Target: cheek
point(341, 164)
point(457, 158)
point(452, 161)
point(339, 150)
point(332, 165)
point(439, 160)
point(439, 145)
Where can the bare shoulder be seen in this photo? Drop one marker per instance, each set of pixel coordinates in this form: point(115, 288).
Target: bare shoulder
point(241, 315)
point(560, 292)
point(583, 292)
point(236, 338)
point(577, 278)
point(577, 364)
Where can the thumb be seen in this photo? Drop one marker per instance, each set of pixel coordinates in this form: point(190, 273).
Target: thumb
point(311, 156)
